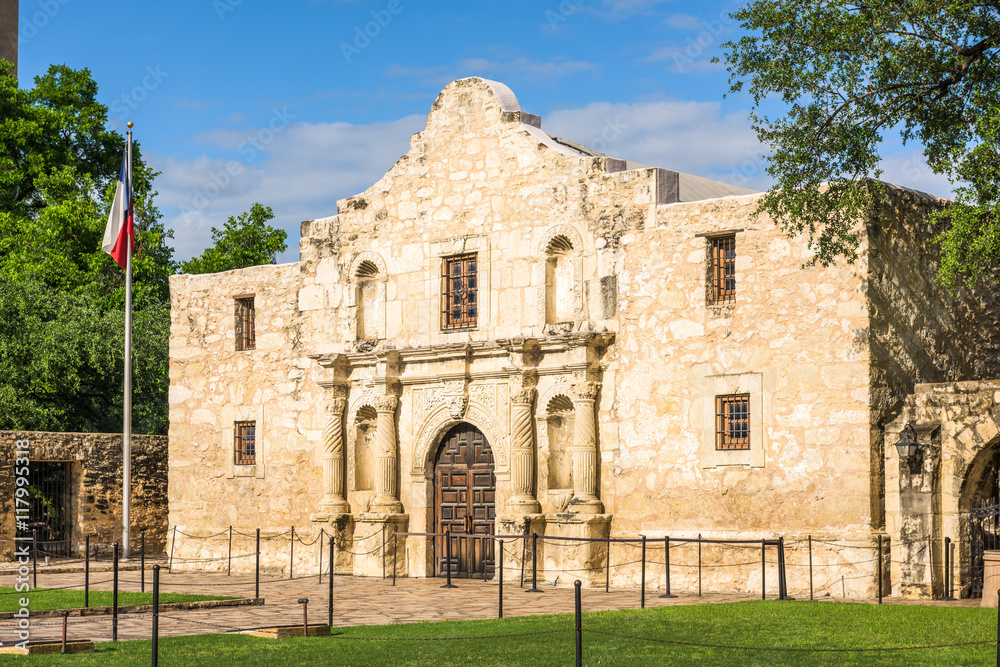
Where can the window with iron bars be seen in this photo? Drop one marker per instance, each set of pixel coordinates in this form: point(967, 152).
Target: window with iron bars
point(245, 335)
point(245, 445)
point(722, 269)
point(459, 292)
point(732, 422)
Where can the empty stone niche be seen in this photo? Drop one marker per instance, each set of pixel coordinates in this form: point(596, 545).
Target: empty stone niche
point(367, 301)
point(364, 449)
point(560, 281)
point(559, 422)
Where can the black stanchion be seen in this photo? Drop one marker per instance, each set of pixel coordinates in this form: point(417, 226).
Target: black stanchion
point(142, 561)
point(579, 623)
point(500, 598)
point(114, 598)
point(291, 555)
point(34, 557)
point(878, 563)
point(810, 567)
point(947, 569)
point(86, 573)
point(642, 577)
point(383, 551)
point(305, 616)
point(607, 568)
point(173, 540)
point(65, 617)
point(229, 559)
point(534, 564)
point(763, 569)
point(156, 613)
point(447, 551)
point(524, 547)
point(395, 550)
point(699, 564)
point(256, 576)
point(666, 558)
point(330, 595)
point(782, 571)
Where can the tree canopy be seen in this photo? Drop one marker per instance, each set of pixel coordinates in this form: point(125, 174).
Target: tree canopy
point(246, 240)
point(847, 73)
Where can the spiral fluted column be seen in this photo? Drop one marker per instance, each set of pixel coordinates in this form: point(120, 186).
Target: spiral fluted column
point(333, 459)
point(386, 490)
point(585, 450)
point(522, 455)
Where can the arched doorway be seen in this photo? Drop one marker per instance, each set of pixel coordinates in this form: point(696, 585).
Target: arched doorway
point(464, 503)
point(979, 514)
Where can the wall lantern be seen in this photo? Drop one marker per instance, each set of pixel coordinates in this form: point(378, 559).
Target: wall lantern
point(907, 445)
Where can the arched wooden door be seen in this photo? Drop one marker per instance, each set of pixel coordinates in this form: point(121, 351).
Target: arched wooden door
point(465, 503)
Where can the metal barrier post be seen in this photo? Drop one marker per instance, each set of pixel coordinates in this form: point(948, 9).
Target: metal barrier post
point(330, 598)
point(173, 540)
point(229, 560)
point(763, 569)
point(305, 616)
point(86, 573)
point(524, 547)
point(291, 555)
point(447, 551)
point(65, 617)
point(642, 577)
point(534, 564)
point(579, 624)
point(782, 589)
point(156, 613)
point(395, 552)
point(383, 551)
point(947, 569)
point(114, 598)
point(500, 599)
point(256, 576)
point(810, 567)
point(607, 568)
point(34, 556)
point(879, 565)
point(142, 561)
point(666, 558)
point(699, 564)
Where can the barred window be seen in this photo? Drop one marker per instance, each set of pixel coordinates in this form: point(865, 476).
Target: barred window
point(245, 334)
point(245, 445)
point(722, 269)
point(732, 422)
point(460, 300)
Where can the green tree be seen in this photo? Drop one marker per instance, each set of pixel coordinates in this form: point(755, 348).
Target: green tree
point(246, 240)
point(62, 297)
point(846, 73)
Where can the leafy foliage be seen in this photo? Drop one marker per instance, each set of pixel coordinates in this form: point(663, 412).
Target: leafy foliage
point(61, 297)
point(246, 240)
point(848, 72)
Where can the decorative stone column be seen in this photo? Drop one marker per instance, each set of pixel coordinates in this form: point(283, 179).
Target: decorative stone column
point(585, 499)
point(333, 459)
point(386, 490)
point(522, 454)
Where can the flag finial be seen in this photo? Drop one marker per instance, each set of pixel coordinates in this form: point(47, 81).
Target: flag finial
point(129, 124)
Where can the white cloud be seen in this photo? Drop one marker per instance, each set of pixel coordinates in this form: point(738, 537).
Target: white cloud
point(909, 169)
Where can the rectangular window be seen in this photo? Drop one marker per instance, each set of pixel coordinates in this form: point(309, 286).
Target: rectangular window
point(245, 444)
point(732, 422)
point(245, 335)
point(722, 269)
point(460, 298)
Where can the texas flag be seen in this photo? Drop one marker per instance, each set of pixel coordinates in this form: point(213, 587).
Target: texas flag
point(120, 228)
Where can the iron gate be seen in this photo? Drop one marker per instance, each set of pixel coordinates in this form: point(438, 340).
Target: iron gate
point(984, 529)
point(48, 487)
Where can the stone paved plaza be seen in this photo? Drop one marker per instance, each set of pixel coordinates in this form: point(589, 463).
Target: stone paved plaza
point(357, 601)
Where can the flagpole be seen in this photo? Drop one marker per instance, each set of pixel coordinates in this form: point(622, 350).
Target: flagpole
point(127, 427)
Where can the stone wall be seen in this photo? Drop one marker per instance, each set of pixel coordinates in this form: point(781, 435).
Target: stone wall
point(95, 485)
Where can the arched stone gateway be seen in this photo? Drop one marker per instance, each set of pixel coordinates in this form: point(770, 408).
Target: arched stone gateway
point(464, 503)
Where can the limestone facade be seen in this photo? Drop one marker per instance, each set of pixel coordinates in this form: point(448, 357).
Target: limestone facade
point(593, 368)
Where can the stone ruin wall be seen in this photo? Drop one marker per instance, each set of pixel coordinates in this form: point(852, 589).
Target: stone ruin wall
point(95, 486)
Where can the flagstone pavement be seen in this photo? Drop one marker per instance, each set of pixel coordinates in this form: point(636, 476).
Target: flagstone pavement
point(356, 601)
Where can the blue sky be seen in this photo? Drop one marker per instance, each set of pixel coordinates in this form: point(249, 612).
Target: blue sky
point(316, 99)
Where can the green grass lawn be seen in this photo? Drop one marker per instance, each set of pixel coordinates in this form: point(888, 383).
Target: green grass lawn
point(45, 598)
point(769, 624)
